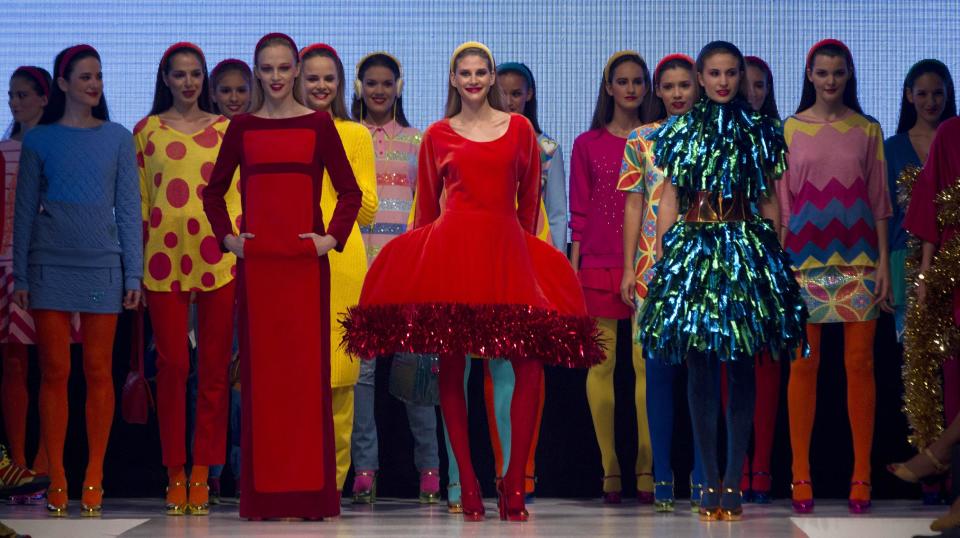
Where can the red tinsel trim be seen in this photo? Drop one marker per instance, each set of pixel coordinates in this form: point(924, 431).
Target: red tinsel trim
point(515, 332)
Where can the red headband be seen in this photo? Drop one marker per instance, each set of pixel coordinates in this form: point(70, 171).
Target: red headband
point(274, 35)
point(229, 61)
point(319, 46)
point(70, 55)
point(763, 64)
point(836, 43)
point(181, 45)
point(37, 75)
point(669, 58)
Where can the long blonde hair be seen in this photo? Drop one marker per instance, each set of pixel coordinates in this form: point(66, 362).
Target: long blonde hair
point(494, 95)
point(257, 97)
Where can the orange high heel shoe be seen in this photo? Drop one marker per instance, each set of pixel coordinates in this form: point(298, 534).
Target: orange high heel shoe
point(91, 504)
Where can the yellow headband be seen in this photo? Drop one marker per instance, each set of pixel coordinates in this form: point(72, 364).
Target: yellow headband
point(616, 56)
point(471, 45)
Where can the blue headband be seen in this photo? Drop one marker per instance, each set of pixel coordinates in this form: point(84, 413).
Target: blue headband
point(517, 67)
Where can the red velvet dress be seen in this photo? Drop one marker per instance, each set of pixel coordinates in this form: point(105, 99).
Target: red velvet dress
point(283, 290)
point(471, 277)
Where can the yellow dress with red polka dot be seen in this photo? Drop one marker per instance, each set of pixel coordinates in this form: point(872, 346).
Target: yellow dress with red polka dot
point(180, 251)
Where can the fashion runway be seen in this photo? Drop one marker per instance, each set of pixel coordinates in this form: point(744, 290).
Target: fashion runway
point(549, 517)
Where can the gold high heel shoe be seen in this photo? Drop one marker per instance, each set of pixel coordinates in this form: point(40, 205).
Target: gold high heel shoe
point(708, 512)
point(57, 510)
point(901, 471)
point(175, 509)
point(199, 508)
point(454, 507)
point(92, 510)
point(731, 514)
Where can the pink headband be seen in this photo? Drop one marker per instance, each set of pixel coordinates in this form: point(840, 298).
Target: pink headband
point(228, 62)
point(71, 53)
point(669, 58)
point(835, 42)
point(37, 75)
point(181, 45)
point(319, 46)
point(274, 35)
point(763, 64)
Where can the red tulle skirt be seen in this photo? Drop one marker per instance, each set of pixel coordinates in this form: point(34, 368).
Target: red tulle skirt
point(473, 282)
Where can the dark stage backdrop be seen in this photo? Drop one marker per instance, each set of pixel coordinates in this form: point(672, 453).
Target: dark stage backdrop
point(568, 460)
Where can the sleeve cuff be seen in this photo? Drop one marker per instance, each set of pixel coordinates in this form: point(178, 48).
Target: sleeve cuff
point(131, 283)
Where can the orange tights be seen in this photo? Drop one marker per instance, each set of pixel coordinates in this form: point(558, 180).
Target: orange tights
point(15, 402)
point(53, 334)
point(861, 401)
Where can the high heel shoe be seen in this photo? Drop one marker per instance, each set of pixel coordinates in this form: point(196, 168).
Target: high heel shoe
point(511, 505)
point(91, 504)
point(472, 503)
point(645, 496)
point(901, 471)
point(430, 486)
point(611, 497)
point(365, 487)
point(709, 504)
point(57, 502)
point(173, 507)
point(859, 506)
point(696, 492)
point(199, 503)
point(454, 498)
point(761, 493)
point(746, 490)
point(663, 497)
point(801, 505)
point(731, 505)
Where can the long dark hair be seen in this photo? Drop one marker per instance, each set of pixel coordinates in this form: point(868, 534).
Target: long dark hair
point(39, 79)
point(162, 96)
point(381, 60)
point(338, 108)
point(603, 111)
point(833, 49)
point(908, 112)
point(724, 47)
point(769, 106)
point(530, 106)
point(57, 103)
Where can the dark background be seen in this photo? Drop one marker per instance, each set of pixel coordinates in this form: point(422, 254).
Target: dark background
point(568, 459)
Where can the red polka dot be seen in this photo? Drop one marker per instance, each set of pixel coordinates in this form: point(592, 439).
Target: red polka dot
point(208, 138)
point(140, 159)
point(206, 169)
point(233, 270)
point(200, 191)
point(140, 125)
point(178, 192)
point(210, 250)
point(176, 150)
point(239, 222)
point(155, 217)
point(159, 266)
point(186, 264)
point(208, 279)
point(158, 178)
point(175, 286)
point(149, 149)
point(193, 226)
point(170, 240)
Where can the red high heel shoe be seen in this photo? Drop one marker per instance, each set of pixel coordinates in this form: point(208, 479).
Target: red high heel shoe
point(511, 505)
point(801, 506)
point(859, 506)
point(472, 502)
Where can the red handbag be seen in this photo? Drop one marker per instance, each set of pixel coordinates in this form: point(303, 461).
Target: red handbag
point(136, 400)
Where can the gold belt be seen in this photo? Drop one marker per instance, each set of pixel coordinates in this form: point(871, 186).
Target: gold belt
point(712, 207)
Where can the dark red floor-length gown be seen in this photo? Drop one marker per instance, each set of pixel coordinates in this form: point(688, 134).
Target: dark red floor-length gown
point(283, 304)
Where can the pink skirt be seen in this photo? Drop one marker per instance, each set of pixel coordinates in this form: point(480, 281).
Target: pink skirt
point(601, 290)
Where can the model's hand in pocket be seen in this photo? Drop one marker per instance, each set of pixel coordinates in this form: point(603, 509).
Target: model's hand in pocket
point(322, 243)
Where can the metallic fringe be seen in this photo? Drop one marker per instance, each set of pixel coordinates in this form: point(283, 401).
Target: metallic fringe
point(722, 148)
point(515, 332)
point(931, 335)
point(725, 289)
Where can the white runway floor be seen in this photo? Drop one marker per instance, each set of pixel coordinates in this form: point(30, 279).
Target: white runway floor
point(549, 518)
